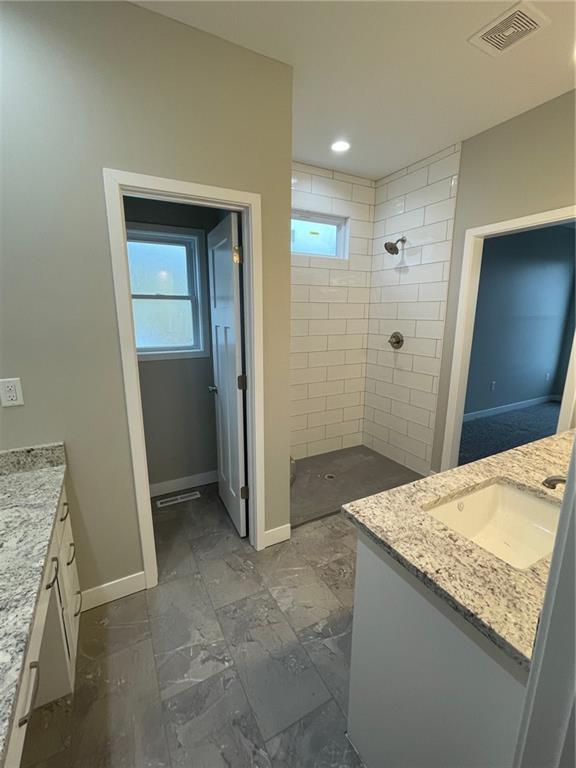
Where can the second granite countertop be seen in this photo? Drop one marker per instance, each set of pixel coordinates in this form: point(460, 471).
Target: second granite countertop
point(502, 602)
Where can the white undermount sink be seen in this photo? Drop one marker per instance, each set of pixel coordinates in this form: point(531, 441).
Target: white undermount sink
point(516, 526)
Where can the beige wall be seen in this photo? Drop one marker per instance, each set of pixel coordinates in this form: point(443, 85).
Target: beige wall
point(88, 85)
point(523, 166)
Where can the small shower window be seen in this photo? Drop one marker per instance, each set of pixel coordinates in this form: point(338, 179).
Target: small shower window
point(317, 235)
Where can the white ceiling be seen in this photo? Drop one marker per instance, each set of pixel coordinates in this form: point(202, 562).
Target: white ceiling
point(398, 79)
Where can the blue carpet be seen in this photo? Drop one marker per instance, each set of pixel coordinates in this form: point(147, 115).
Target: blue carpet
point(493, 434)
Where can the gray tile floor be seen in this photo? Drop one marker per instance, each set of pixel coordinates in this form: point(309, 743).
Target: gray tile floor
point(324, 483)
point(238, 658)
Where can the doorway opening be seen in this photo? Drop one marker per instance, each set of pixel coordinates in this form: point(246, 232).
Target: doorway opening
point(187, 263)
point(523, 334)
point(186, 285)
point(513, 373)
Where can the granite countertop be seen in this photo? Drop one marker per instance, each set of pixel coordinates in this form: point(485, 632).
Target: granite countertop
point(502, 602)
point(31, 481)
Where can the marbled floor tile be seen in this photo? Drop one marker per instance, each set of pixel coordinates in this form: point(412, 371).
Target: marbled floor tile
point(280, 681)
point(230, 577)
point(49, 732)
point(114, 735)
point(212, 726)
point(181, 615)
point(317, 741)
point(328, 644)
point(129, 673)
point(189, 665)
point(278, 558)
point(339, 574)
point(117, 714)
point(339, 525)
point(113, 626)
point(175, 558)
point(302, 596)
point(218, 544)
point(320, 545)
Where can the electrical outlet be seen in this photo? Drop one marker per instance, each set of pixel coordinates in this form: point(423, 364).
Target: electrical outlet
point(492, 386)
point(547, 376)
point(11, 392)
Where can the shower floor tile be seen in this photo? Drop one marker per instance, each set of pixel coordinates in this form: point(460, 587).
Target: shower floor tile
point(354, 473)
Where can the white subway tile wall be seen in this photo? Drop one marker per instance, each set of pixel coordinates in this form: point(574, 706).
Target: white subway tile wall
point(330, 317)
point(408, 294)
point(349, 386)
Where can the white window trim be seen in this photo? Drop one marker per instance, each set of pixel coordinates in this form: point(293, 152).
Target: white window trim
point(323, 218)
point(159, 232)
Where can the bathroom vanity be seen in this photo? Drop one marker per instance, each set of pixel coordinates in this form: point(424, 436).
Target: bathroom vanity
point(40, 598)
point(450, 581)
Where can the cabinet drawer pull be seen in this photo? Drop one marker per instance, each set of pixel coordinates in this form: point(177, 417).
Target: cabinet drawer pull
point(66, 508)
point(73, 555)
point(56, 569)
point(34, 666)
point(78, 611)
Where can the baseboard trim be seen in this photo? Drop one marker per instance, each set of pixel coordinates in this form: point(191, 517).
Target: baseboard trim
point(113, 590)
point(276, 535)
point(509, 407)
point(182, 483)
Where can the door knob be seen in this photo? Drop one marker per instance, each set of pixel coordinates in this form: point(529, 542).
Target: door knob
point(213, 389)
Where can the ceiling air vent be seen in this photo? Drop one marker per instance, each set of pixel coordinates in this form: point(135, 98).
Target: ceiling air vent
point(511, 27)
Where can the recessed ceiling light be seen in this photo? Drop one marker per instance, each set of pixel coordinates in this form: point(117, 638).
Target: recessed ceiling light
point(341, 146)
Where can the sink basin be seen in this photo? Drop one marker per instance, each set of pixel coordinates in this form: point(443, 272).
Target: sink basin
point(516, 526)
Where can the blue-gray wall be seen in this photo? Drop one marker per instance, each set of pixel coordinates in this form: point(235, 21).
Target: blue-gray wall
point(524, 318)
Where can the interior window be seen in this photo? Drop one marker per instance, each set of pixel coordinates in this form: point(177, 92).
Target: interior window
point(166, 279)
point(315, 235)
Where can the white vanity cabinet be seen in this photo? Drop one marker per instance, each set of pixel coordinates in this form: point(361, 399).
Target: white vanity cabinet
point(49, 667)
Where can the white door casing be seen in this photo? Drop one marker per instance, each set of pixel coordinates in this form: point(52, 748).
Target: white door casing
point(118, 183)
point(468, 295)
point(226, 325)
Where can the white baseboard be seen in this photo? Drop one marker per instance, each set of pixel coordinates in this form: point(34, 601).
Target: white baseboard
point(276, 535)
point(113, 590)
point(509, 407)
point(182, 483)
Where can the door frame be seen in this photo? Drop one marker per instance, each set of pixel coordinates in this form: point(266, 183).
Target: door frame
point(467, 299)
point(117, 185)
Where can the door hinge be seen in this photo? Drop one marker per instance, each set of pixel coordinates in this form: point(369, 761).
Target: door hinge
point(237, 254)
point(242, 381)
point(244, 492)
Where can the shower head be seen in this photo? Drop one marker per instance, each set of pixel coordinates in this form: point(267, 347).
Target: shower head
point(393, 247)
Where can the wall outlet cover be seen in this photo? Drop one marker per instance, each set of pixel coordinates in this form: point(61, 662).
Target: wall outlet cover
point(11, 392)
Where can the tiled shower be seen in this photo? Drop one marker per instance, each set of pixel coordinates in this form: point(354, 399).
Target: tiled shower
point(349, 387)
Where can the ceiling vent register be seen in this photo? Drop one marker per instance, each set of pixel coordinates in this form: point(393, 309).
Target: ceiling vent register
point(513, 26)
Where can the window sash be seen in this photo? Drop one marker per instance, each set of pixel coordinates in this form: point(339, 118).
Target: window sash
point(193, 297)
point(341, 229)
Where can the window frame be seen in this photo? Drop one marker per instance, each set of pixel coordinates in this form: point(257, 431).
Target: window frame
point(322, 218)
point(194, 240)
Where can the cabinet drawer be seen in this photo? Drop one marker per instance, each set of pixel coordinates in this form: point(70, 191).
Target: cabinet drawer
point(62, 517)
point(70, 588)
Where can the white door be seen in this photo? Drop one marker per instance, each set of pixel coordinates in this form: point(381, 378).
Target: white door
point(225, 311)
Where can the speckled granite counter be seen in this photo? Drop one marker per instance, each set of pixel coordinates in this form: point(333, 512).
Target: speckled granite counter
point(30, 485)
point(500, 601)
